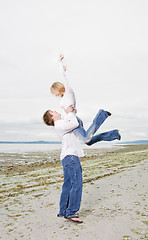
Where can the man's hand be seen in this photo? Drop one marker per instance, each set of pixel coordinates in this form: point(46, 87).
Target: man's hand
point(69, 109)
point(61, 57)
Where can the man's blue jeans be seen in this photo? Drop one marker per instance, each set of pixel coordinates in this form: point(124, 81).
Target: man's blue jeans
point(72, 187)
point(97, 122)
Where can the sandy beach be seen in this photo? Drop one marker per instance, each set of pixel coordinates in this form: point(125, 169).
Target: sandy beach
point(114, 202)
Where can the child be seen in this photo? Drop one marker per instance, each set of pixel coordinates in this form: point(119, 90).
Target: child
point(68, 98)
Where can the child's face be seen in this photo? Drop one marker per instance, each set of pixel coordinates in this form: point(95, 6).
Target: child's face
point(58, 94)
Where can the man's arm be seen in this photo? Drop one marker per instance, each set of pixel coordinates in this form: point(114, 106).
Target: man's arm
point(64, 113)
point(65, 126)
point(68, 123)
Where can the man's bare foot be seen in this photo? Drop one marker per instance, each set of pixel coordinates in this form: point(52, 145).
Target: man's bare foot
point(75, 219)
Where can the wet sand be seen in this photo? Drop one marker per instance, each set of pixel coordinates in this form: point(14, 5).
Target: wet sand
point(114, 203)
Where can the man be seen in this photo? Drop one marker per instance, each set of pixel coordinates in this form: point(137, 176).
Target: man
point(71, 151)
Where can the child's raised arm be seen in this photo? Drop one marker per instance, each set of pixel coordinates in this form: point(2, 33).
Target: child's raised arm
point(63, 70)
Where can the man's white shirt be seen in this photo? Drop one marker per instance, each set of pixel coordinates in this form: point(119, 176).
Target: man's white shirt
point(70, 142)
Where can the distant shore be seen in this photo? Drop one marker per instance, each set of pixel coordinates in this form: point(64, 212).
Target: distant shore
point(59, 142)
point(31, 142)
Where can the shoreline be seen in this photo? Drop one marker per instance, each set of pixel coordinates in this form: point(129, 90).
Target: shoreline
point(23, 148)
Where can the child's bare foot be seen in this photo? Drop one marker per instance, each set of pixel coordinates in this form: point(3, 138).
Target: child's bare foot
point(109, 114)
point(119, 136)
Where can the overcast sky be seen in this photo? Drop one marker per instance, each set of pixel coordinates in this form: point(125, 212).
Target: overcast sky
point(105, 43)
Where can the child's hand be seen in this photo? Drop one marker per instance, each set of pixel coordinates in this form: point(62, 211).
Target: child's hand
point(69, 109)
point(61, 57)
point(65, 68)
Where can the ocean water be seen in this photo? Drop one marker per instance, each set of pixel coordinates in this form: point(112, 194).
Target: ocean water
point(21, 148)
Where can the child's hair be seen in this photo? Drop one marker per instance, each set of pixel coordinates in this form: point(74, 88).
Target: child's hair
point(57, 86)
point(47, 118)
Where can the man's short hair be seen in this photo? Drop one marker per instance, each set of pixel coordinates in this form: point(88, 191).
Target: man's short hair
point(47, 118)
